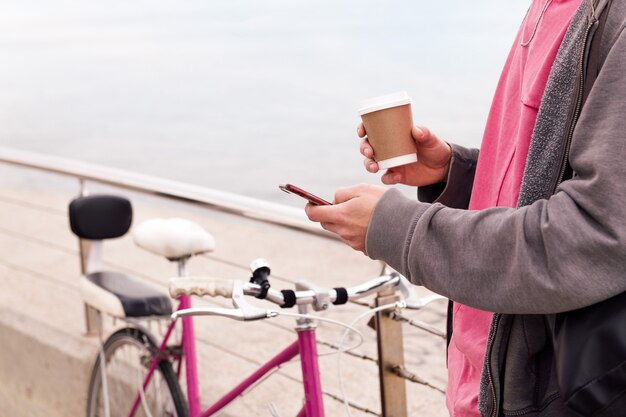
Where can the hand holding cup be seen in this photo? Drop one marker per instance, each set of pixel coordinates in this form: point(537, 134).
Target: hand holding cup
point(411, 154)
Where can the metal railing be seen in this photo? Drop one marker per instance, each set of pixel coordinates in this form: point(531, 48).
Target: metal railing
point(389, 332)
point(217, 200)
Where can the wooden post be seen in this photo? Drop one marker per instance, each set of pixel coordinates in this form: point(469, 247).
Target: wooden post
point(390, 355)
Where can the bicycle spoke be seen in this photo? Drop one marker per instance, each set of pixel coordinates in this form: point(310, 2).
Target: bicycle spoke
point(126, 370)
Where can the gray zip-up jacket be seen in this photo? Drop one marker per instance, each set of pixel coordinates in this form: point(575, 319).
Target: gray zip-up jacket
point(562, 248)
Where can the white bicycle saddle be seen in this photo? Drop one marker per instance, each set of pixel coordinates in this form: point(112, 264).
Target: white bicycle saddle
point(173, 238)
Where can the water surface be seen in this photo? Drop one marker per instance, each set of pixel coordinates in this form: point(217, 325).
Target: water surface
point(242, 95)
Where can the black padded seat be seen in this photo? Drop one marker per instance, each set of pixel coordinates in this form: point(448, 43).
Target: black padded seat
point(137, 298)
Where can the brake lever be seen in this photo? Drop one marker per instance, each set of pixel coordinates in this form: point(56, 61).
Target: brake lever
point(411, 298)
point(243, 311)
point(230, 313)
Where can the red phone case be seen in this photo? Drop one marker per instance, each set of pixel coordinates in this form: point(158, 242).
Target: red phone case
point(312, 198)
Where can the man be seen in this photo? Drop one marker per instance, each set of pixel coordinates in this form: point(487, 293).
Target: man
point(546, 227)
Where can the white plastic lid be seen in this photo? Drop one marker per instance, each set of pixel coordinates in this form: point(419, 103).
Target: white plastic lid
point(387, 101)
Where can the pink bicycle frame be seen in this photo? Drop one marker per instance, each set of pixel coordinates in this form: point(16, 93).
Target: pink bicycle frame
point(305, 346)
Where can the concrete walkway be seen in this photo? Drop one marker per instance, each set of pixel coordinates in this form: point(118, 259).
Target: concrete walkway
point(45, 358)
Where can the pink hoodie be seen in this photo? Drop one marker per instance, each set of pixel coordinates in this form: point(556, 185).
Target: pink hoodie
point(499, 174)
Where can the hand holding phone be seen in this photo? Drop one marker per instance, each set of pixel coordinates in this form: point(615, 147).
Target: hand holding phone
point(311, 198)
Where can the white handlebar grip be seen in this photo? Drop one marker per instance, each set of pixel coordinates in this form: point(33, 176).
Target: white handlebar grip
point(201, 286)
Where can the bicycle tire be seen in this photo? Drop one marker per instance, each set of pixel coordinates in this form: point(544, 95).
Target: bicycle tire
point(128, 354)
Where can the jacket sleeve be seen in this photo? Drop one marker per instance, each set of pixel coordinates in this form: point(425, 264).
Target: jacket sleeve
point(456, 190)
point(557, 254)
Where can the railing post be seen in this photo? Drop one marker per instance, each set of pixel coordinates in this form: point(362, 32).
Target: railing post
point(93, 317)
point(390, 355)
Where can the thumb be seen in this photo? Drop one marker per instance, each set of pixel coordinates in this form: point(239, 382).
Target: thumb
point(347, 193)
point(423, 137)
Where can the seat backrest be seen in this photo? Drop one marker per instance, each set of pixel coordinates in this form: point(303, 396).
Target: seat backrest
point(98, 217)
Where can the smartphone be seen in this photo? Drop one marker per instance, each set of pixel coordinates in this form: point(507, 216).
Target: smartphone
point(313, 199)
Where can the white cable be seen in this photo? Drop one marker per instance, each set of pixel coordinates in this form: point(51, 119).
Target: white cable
point(399, 304)
point(144, 402)
point(273, 410)
point(348, 327)
point(336, 322)
point(304, 316)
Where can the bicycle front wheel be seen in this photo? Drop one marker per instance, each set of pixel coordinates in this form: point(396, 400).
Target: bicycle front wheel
point(128, 354)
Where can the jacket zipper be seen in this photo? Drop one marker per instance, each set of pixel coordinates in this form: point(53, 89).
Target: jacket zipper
point(574, 120)
point(492, 336)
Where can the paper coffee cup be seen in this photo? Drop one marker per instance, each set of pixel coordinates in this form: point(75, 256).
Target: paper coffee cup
point(388, 121)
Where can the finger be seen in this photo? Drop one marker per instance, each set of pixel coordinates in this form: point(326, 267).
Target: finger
point(366, 149)
point(391, 178)
point(331, 227)
point(360, 130)
point(346, 193)
point(370, 165)
point(318, 214)
point(420, 133)
point(424, 137)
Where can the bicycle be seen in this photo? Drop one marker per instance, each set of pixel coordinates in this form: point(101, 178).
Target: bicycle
point(134, 374)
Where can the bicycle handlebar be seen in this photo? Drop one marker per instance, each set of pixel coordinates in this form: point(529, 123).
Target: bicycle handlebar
point(214, 287)
point(305, 293)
